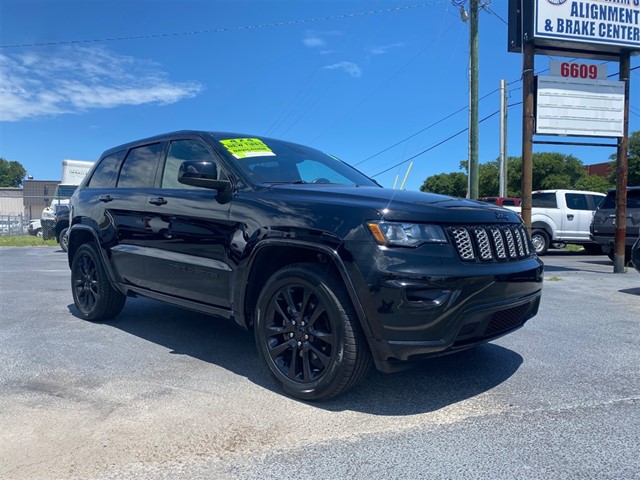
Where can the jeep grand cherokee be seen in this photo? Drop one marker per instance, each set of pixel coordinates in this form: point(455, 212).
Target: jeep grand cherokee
point(327, 268)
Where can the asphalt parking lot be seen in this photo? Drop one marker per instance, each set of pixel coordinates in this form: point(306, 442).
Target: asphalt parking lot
point(166, 393)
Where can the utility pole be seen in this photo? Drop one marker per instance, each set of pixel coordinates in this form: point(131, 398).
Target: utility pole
point(473, 99)
point(528, 87)
point(503, 139)
point(622, 171)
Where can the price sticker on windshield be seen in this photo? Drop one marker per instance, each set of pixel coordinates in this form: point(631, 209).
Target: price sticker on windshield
point(247, 147)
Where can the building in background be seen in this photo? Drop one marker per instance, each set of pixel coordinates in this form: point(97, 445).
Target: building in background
point(37, 195)
point(11, 201)
point(600, 169)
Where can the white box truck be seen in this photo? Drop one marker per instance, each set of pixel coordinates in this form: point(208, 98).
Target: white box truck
point(73, 172)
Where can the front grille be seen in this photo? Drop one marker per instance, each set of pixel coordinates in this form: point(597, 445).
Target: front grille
point(487, 243)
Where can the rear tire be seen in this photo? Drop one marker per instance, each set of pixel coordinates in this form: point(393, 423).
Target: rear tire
point(541, 241)
point(627, 255)
point(307, 332)
point(94, 296)
point(593, 248)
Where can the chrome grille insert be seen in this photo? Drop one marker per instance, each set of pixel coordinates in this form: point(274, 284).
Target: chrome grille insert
point(462, 241)
point(482, 241)
point(498, 242)
point(490, 242)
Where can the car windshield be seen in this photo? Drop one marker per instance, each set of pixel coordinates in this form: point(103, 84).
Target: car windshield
point(265, 160)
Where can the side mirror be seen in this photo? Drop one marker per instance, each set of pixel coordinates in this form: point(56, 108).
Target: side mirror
point(202, 174)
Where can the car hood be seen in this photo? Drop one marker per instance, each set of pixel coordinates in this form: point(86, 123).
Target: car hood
point(397, 205)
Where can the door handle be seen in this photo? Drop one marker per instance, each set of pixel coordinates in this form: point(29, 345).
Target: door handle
point(105, 198)
point(569, 217)
point(157, 201)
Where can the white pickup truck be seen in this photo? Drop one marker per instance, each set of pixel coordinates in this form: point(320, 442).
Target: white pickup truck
point(562, 216)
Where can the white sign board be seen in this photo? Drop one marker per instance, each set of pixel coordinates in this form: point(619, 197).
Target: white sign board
point(569, 106)
point(607, 22)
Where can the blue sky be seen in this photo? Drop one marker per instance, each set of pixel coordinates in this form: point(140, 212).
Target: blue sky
point(349, 77)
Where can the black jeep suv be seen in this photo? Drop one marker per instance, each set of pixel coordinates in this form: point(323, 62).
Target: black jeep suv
point(327, 268)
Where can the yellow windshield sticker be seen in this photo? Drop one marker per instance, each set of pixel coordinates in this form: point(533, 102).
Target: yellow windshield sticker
point(247, 147)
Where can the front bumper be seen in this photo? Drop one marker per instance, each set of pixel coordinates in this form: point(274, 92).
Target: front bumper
point(426, 302)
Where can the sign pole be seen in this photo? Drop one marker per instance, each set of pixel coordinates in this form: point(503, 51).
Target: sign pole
point(528, 87)
point(622, 171)
point(503, 139)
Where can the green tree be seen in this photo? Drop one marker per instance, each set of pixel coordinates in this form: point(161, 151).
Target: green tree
point(550, 170)
point(11, 173)
point(488, 179)
point(633, 161)
point(594, 183)
point(454, 184)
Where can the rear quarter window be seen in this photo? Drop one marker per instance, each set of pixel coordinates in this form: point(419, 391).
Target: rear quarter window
point(106, 172)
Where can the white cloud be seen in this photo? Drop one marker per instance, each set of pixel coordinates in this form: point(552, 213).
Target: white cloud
point(349, 67)
point(82, 78)
point(382, 49)
point(314, 42)
point(315, 39)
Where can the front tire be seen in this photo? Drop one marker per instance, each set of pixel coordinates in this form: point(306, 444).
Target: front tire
point(541, 241)
point(94, 296)
point(307, 332)
point(63, 239)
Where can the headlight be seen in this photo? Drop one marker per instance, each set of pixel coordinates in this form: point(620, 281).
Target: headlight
point(406, 234)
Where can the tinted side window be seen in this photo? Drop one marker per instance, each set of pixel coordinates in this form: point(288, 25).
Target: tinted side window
point(181, 151)
point(106, 173)
point(139, 169)
point(544, 200)
point(577, 201)
point(609, 201)
point(509, 203)
point(633, 199)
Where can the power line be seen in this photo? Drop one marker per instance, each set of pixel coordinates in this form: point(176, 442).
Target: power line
point(453, 114)
point(363, 100)
point(291, 107)
point(439, 143)
point(486, 7)
point(421, 131)
point(230, 29)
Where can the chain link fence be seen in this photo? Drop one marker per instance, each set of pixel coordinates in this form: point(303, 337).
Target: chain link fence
point(13, 225)
point(23, 211)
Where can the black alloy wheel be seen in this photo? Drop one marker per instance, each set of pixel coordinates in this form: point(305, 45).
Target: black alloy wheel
point(307, 333)
point(93, 295)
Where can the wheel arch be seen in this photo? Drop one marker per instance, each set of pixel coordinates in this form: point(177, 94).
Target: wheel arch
point(267, 258)
point(79, 235)
point(59, 226)
point(541, 225)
